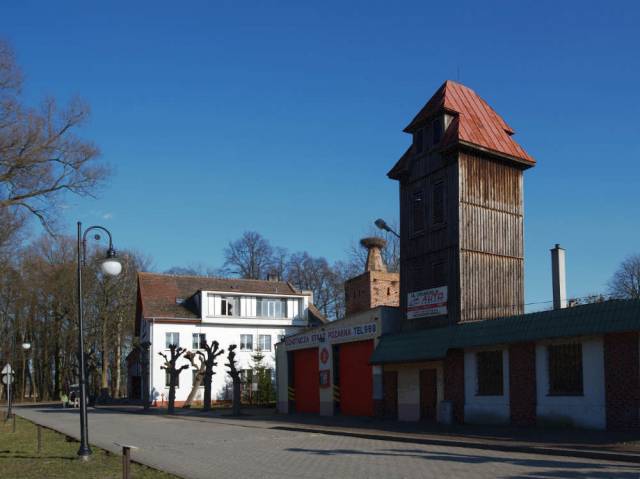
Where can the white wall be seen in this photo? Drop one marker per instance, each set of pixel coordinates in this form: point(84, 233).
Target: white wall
point(485, 409)
point(225, 335)
point(586, 411)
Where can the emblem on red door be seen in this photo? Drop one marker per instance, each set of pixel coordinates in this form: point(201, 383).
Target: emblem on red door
point(324, 355)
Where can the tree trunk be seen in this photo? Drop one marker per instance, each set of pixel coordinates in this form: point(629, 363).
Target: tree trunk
point(172, 393)
point(104, 382)
point(194, 389)
point(236, 397)
point(208, 377)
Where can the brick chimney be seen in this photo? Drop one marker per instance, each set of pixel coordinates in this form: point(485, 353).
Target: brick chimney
point(374, 246)
point(376, 286)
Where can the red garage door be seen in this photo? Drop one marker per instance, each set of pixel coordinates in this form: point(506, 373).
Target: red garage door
point(356, 379)
point(307, 380)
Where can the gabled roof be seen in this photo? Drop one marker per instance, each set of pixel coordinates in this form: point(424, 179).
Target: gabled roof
point(161, 294)
point(475, 124)
point(585, 320)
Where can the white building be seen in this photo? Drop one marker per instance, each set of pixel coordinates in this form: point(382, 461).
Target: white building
point(186, 310)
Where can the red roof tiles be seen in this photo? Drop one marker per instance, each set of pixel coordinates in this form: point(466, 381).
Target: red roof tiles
point(170, 296)
point(476, 123)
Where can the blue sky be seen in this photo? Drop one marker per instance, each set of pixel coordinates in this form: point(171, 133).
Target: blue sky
point(284, 117)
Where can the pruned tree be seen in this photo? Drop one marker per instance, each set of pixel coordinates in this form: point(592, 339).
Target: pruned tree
point(212, 352)
point(625, 283)
point(198, 377)
point(235, 377)
point(40, 155)
point(174, 372)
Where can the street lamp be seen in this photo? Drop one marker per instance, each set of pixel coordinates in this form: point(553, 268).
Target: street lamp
point(111, 267)
point(26, 346)
point(382, 224)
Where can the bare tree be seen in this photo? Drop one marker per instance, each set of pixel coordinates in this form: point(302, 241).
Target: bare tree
point(314, 274)
point(626, 280)
point(174, 372)
point(235, 377)
point(250, 257)
point(212, 352)
point(199, 370)
point(40, 155)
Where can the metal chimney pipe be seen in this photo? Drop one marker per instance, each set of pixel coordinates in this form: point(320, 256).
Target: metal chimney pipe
point(559, 277)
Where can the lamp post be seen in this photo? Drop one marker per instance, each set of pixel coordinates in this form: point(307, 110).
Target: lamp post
point(26, 346)
point(111, 267)
point(382, 224)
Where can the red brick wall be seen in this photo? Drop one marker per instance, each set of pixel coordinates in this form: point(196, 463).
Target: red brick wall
point(522, 383)
point(622, 380)
point(370, 290)
point(454, 382)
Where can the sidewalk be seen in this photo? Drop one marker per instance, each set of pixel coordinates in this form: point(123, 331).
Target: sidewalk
point(600, 445)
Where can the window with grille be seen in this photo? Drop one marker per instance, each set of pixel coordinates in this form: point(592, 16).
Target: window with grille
point(439, 274)
point(417, 210)
point(198, 341)
point(489, 369)
point(565, 369)
point(438, 203)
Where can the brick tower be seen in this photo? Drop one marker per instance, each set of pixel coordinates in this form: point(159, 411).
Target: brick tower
point(376, 286)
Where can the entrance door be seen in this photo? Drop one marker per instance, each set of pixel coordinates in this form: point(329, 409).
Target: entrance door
point(307, 380)
point(428, 394)
point(390, 386)
point(356, 379)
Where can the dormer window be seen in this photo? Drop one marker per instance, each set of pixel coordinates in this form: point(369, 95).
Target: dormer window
point(417, 140)
point(230, 306)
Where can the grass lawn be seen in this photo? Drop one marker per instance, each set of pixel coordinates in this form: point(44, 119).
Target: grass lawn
point(19, 457)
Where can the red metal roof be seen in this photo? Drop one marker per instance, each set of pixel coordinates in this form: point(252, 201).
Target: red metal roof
point(476, 123)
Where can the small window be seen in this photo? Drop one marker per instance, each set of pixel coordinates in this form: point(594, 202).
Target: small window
point(418, 211)
point(417, 140)
point(439, 276)
point(246, 342)
point(167, 380)
point(489, 367)
point(438, 203)
point(565, 369)
point(264, 342)
point(437, 130)
point(230, 306)
point(199, 340)
point(171, 339)
point(194, 378)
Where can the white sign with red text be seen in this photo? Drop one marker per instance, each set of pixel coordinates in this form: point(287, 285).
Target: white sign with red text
point(426, 303)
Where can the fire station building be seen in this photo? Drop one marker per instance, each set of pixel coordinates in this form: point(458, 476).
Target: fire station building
point(458, 346)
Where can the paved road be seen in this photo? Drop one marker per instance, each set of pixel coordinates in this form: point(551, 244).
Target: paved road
point(224, 448)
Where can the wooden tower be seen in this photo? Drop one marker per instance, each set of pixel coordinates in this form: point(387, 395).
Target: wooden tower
point(461, 209)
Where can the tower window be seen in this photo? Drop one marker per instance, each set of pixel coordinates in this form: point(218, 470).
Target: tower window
point(438, 203)
point(437, 130)
point(418, 211)
point(417, 140)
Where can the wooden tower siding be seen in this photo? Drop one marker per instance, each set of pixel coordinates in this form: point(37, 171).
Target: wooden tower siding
point(491, 238)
